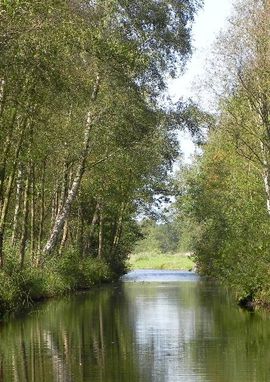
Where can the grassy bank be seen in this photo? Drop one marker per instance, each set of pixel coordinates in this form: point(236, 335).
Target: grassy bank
point(151, 260)
point(19, 288)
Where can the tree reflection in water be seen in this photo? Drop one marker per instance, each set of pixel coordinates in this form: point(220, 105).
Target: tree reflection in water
point(185, 330)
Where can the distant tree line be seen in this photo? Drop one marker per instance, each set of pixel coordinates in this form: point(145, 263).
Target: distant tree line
point(157, 238)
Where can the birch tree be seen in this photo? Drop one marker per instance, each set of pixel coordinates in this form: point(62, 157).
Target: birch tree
point(80, 84)
point(242, 71)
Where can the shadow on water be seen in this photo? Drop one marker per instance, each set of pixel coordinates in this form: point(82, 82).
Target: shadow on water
point(155, 326)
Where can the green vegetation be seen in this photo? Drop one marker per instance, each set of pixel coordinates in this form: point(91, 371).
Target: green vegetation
point(85, 142)
point(160, 247)
point(224, 198)
point(21, 287)
point(150, 260)
point(158, 238)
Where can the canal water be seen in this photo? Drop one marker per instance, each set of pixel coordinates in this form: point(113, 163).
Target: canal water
point(154, 326)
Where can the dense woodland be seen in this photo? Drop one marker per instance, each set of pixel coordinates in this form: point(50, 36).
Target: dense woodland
point(88, 138)
point(224, 200)
point(85, 140)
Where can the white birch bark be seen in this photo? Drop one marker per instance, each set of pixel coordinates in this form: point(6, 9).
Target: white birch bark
point(7, 196)
point(266, 176)
point(2, 88)
point(72, 193)
point(64, 237)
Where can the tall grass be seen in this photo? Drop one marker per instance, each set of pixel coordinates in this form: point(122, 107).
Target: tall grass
point(19, 288)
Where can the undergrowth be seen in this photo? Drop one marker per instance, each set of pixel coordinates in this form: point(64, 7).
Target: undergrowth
point(19, 288)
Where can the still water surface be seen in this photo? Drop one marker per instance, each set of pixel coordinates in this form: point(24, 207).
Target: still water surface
point(155, 326)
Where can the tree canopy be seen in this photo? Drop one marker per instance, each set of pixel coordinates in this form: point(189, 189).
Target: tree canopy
point(85, 140)
point(224, 199)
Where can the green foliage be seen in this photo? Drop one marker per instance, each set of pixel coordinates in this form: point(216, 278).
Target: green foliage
point(159, 238)
point(7, 293)
point(21, 287)
point(223, 198)
point(93, 272)
point(85, 141)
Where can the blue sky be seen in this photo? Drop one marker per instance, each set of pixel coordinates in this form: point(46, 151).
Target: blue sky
point(208, 23)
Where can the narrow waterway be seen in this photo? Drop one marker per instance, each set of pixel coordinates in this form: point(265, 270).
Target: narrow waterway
point(154, 326)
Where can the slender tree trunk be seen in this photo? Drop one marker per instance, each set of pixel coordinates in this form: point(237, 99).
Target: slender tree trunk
point(100, 235)
point(80, 239)
point(119, 226)
point(8, 192)
point(32, 210)
point(64, 211)
point(4, 155)
point(2, 96)
point(3, 216)
point(64, 238)
point(64, 187)
point(1, 247)
point(25, 219)
point(17, 205)
point(72, 194)
point(54, 207)
point(62, 197)
point(266, 175)
point(92, 227)
point(42, 208)
point(94, 219)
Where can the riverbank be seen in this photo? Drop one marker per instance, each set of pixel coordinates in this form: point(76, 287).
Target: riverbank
point(152, 260)
point(21, 288)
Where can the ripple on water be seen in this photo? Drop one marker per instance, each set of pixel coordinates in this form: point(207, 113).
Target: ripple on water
point(160, 276)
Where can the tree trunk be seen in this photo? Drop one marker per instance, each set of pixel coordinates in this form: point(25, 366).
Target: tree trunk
point(33, 215)
point(119, 226)
point(5, 153)
point(42, 209)
point(80, 236)
point(64, 238)
point(8, 192)
point(62, 197)
point(64, 211)
point(2, 96)
point(266, 175)
point(1, 247)
point(25, 219)
point(17, 205)
point(100, 235)
point(54, 207)
point(92, 227)
point(64, 187)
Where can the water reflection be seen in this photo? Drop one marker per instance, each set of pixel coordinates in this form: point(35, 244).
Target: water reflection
point(164, 327)
point(165, 317)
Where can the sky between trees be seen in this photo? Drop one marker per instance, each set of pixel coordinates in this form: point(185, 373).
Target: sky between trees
point(208, 23)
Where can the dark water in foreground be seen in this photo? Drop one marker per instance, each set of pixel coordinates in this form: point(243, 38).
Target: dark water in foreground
point(156, 326)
